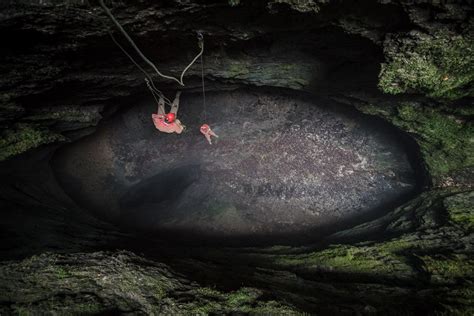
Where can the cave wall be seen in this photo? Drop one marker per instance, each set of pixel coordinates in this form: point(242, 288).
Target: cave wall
point(409, 63)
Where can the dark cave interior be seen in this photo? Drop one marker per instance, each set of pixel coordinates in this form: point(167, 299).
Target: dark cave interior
point(323, 193)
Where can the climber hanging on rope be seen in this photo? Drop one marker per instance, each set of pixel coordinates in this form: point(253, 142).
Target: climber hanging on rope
point(168, 123)
point(207, 132)
point(164, 122)
point(205, 128)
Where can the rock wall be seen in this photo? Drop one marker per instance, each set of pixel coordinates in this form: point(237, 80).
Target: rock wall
point(63, 75)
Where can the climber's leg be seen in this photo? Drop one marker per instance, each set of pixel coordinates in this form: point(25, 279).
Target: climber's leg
point(212, 133)
point(161, 106)
point(175, 105)
point(208, 137)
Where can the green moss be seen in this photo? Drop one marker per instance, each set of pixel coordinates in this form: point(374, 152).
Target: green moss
point(447, 269)
point(61, 273)
point(446, 143)
point(445, 138)
point(439, 66)
point(23, 138)
point(243, 296)
point(348, 259)
point(92, 283)
point(208, 292)
point(245, 300)
point(460, 209)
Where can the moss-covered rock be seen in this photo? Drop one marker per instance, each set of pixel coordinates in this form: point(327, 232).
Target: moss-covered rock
point(376, 261)
point(410, 261)
point(417, 259)
point(43, 126)
point(446, 141)
point(444, 135)
point(24, 137)
point(117, 282)
point(439, 65)
point(448, 268)
point(460, 210)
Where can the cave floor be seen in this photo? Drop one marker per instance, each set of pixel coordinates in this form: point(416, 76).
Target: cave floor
point(284, 165)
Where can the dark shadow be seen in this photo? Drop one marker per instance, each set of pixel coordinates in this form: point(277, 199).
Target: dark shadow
point(153, 199)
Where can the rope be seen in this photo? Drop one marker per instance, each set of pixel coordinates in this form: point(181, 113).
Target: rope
point(148, 79)
point(201, 43)
point(149, 62)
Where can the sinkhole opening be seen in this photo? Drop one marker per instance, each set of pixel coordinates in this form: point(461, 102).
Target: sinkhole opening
point(287, 168)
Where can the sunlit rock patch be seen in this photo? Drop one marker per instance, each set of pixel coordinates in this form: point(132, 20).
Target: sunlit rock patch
point(285, 167)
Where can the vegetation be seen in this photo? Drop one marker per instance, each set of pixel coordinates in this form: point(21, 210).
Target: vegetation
point(439, 66)
point(445, 141)
point(24, 137)
point(442, 133)
point(460, 210)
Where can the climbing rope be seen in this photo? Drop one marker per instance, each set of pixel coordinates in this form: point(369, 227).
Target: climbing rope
point(201, 43)
point(148, 79)
point(149, 62)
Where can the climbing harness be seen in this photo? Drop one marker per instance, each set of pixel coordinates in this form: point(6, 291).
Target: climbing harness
point(168, 123)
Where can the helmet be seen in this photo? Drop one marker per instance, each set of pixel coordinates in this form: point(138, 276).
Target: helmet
point(170, 117)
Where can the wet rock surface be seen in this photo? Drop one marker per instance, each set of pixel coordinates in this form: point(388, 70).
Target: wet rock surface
point(284, 164)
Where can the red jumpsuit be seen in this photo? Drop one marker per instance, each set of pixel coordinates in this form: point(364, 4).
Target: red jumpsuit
point(159, 119)
point(207, 132)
